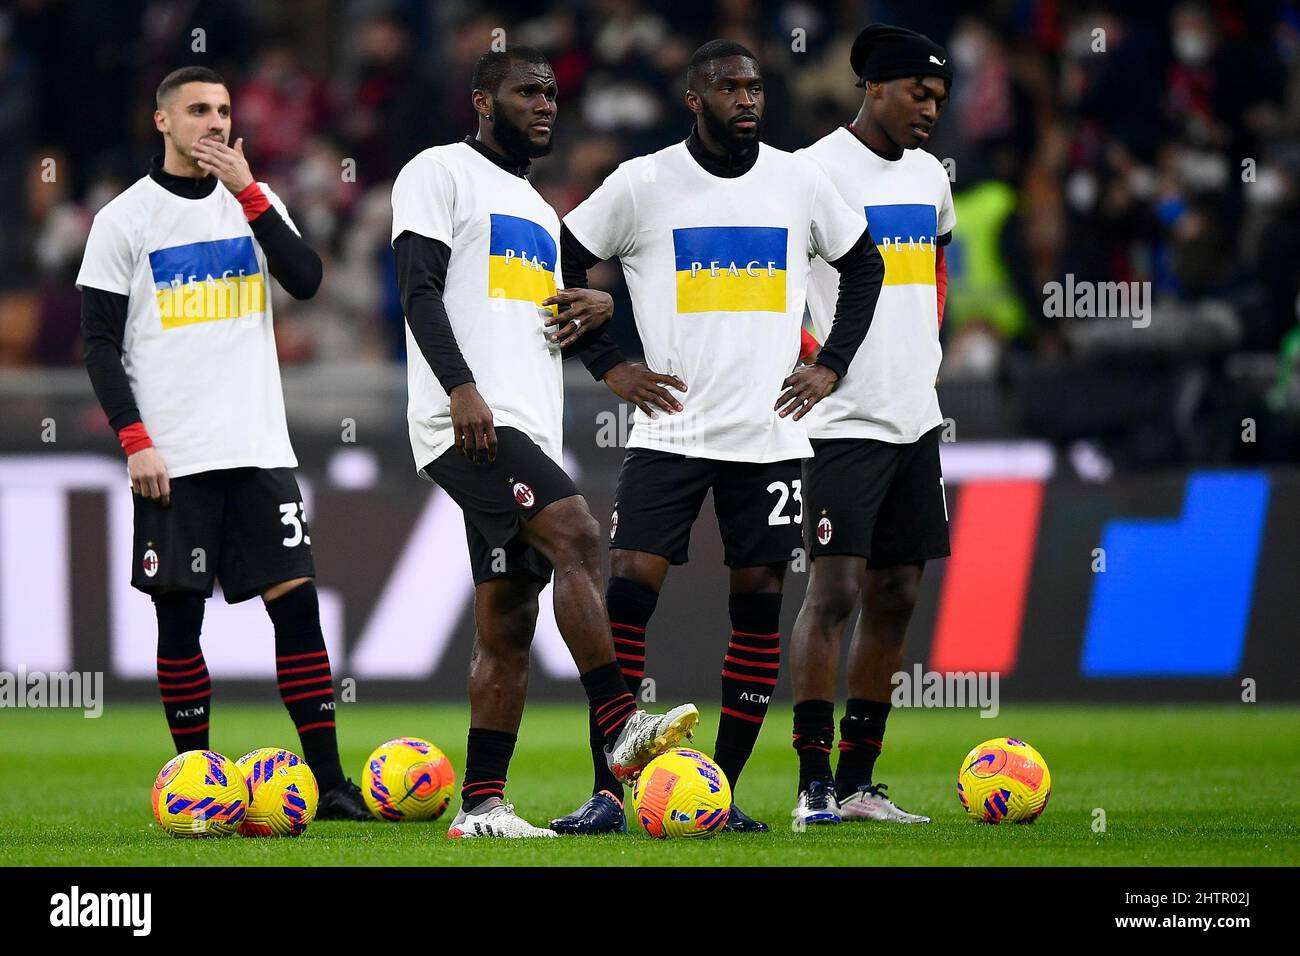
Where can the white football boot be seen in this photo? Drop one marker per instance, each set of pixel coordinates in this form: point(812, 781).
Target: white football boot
point(645, 736)
point(869, 802)
point(492, 818)
point(816, 806)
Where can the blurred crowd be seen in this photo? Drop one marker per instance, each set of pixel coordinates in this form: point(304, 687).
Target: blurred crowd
point(1149, 143)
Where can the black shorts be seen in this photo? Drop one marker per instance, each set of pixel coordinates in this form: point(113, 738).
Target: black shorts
point(244, 527)
point(497, 497)
point(876, 499)
point(659, 494)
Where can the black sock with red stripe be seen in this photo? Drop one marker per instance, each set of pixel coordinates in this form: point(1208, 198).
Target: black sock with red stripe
point(302, 667)
point(630, 605)
point(862, 734)
point(182, 671)
point(814, 732)
point(609, 701)
point(748, 678)
point(487, 760)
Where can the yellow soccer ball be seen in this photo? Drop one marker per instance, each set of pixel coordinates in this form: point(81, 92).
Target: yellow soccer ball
point(408, 779)
point(200, 793)
point(1004, 779)
point(282, 793)
point(681, 794)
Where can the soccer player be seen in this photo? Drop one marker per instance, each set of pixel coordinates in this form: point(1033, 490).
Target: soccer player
point(873, 489)
point(715, 236)
point(476, 249)
point(176, 317)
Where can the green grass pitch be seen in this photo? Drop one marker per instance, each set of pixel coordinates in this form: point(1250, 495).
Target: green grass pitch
point(1179, 785)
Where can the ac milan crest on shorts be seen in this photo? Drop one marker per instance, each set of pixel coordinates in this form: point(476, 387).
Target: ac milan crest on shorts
point(876, 499)
point(497, 497)
point(244, 527)
point(825, 530)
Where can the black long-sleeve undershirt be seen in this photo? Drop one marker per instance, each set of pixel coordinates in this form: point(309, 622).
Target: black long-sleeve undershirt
point(596, 349)
point(295, 265)
point(103, 326)
point(862, 273)
point(421, 280)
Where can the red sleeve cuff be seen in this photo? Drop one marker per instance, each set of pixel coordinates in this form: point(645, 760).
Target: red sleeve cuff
point(134, 438)
point(807, 344)
point(253, 200)
point(940, 282)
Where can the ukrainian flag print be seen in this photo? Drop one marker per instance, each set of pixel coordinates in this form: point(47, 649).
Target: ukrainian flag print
point(207, 282)
point(730, 268)
point(521, 260)
point(904, 234)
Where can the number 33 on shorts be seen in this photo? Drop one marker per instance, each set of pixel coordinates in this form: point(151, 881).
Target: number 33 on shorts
point(294, 514)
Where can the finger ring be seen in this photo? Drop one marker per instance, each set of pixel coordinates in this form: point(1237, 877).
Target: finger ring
point(577, 323)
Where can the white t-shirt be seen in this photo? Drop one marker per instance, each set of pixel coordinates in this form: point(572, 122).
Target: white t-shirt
point(504, 240)
point(718, 271)
point(888, 392)
point(199, 347)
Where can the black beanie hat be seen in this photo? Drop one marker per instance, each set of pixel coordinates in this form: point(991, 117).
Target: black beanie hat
point(883, 52)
